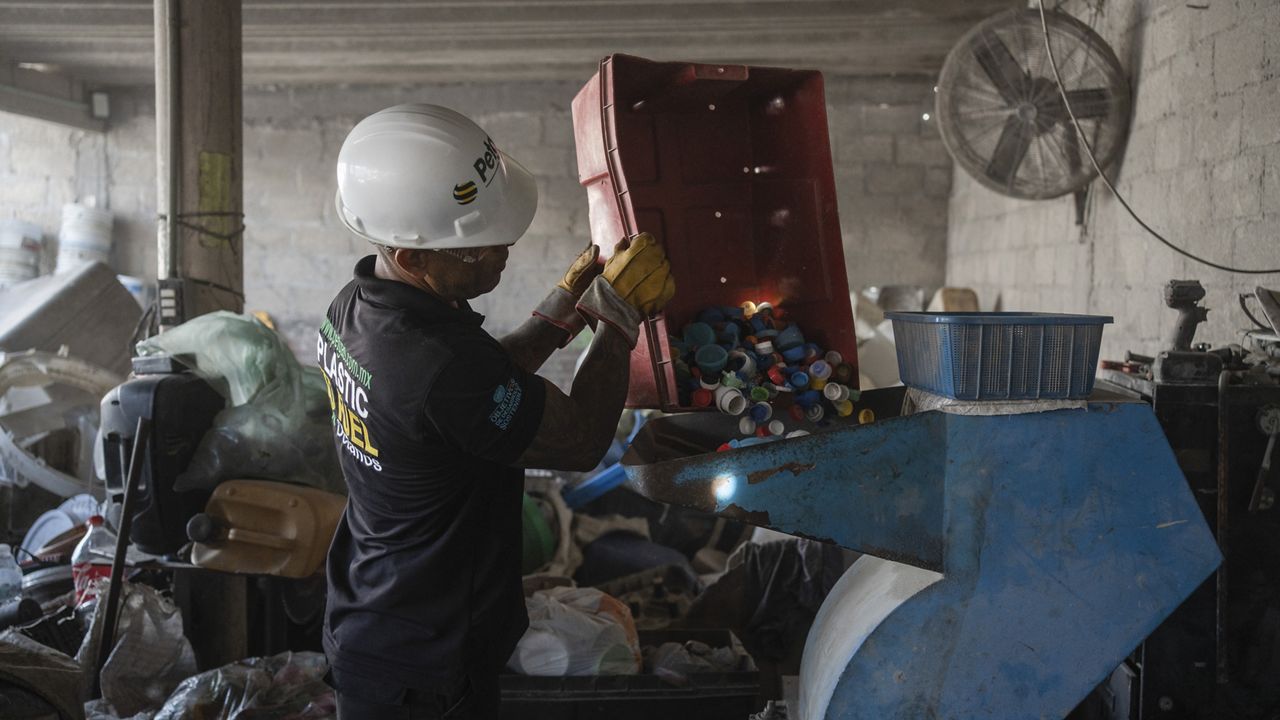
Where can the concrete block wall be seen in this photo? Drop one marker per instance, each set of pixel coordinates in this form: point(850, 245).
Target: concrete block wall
point(893, 178)
point(1202, 165)
point(44, 166)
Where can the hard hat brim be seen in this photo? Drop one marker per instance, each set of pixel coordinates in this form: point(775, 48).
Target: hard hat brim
point(505, 229)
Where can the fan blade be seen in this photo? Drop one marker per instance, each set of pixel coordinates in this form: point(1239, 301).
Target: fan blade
point(1091, 103)
point(1012, 147)
point(999, 65)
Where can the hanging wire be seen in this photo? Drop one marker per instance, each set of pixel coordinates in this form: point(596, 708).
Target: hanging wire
point(1062, 90)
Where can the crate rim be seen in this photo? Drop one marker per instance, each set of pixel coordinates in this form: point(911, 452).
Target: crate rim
point(998, 318)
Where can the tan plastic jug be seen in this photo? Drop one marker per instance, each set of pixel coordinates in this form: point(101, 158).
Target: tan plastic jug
point(265, 528)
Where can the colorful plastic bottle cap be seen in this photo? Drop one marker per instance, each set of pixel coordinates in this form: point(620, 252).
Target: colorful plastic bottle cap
point(854, 394)
point(767, 334)
point(791, 337)
point(762, 431)
point(812, 352)
point(711, 316)
point(797, 412)
point(776, 427)
point(775, 374)
point(697, 334)
point(702, 398)
point(709, 383)
point(759, 394)
point(732, 312)
point(834, 358)
point(794, 355)
point(731, 401)
point(748, 309)
point(808, 398)
point(866, 416)
point(741, 361)
point(835, 392)
point(799, 380)
point(729, 379)
point(724, 448)
point(815, 413)
point(819, 370)
point(757, 323)
point(746, 425)
point(797, 434)
point(761, 411)
point(817, 384)
point(764, 347)
point(764, 307)
point(843, 373)
point(844, 408)
point(730, 333)
point(711, 359)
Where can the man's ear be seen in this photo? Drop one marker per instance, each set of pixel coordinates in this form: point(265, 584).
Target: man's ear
point(413, 262)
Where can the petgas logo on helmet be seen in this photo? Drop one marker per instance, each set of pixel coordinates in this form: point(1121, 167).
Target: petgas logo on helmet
point(487, 164)
point(486, 167)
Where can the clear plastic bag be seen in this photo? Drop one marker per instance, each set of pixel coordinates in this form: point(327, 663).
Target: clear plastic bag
point(150, 655)
point(577, 631)
point(277, 424)
point(289, 685)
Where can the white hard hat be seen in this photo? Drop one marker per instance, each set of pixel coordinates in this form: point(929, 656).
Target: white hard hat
point(424, 176)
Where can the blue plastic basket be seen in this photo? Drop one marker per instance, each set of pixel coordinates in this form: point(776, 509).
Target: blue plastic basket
point(998, 356)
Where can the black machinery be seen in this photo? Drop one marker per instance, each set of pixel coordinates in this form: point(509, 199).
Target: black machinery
point(1218, 655)
point(181, 408)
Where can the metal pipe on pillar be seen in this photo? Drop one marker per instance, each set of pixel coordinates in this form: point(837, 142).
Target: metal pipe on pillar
point(199, 128)
point(199, 158)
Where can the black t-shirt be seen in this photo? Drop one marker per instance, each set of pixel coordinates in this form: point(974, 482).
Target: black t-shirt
point(428, 414)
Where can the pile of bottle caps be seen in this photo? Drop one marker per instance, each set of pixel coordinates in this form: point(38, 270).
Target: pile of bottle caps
point(749, 360)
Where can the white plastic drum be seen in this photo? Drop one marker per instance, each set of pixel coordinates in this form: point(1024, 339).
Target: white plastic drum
point(85, 236)
point(20, 245)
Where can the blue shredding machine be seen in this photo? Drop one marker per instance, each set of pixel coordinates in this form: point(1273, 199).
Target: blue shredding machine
point(1010, 562)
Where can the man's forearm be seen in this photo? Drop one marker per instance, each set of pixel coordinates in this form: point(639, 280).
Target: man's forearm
point(532, 343)
point(576, 430)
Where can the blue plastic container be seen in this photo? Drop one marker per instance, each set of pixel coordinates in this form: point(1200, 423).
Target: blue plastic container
point(998, 356)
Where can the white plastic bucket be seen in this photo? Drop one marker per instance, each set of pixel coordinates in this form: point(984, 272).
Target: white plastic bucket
point(85, 236)
point(20, 245)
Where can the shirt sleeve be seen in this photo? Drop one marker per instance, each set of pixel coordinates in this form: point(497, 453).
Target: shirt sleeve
point(485, 405)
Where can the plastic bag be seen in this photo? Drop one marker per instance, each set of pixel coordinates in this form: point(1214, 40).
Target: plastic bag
point(47, 673)
point(277, 424)
point(288, 685)
point(150, 656)
point(577, 631)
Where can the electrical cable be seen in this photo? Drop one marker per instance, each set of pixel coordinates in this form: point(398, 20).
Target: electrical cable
point(1245, 307)
point(1062, 90)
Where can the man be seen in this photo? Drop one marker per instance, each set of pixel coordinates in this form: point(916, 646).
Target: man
point(433, 417)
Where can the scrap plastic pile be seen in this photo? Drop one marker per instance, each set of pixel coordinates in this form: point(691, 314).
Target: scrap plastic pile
point(751, 361)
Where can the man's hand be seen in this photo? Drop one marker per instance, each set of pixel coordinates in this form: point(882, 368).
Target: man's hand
point(636, 282)
point(584, 269)
point(641, 274)
point(558, 309)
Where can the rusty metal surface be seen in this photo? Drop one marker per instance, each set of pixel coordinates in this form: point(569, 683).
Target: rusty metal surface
point(873, 488)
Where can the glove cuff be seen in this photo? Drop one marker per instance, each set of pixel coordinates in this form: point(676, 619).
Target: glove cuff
point(558, 309)
point(603, 303)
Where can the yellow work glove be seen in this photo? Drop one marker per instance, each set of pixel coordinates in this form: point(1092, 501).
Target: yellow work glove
point(641, 274)
point(559, 306)
point(636, 282)
point(584, 269)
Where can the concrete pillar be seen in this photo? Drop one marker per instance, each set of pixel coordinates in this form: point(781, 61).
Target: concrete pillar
point(199, 142)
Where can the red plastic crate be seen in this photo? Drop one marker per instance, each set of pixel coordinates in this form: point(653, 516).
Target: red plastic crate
point(729, 167)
